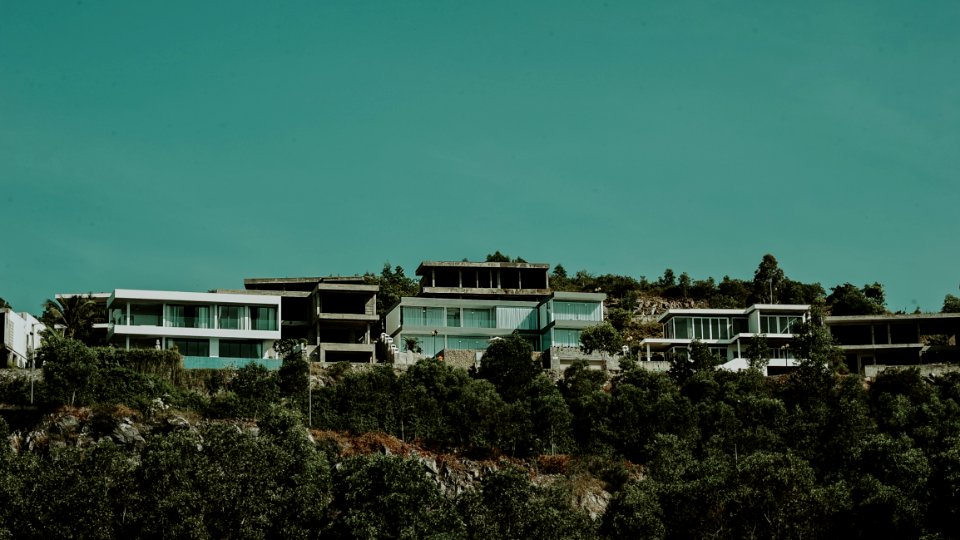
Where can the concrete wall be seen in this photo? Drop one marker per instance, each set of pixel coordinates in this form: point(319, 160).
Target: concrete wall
point(871, 371)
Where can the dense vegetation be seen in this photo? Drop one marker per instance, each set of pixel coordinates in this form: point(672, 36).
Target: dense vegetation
point(723, 455)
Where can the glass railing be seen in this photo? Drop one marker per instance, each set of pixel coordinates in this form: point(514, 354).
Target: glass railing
point(206, 362)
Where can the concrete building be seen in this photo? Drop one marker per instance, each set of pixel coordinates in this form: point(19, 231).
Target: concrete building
point(21, 333)
point(336, 315)
point(896, 340)
point(464, 306)
point(211, 330)
point(728, 333)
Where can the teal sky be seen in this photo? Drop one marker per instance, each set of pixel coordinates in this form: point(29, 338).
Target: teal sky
point(187, 145)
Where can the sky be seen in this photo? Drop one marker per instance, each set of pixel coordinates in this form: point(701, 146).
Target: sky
point(184, 145)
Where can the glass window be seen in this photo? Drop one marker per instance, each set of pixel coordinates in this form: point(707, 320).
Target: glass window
point(190, 347)
point(188, 316)
point(478, 318)
point(239, 349)
point(423, 316)
point(146, 314)
point(230, 317)
point(263, 318)
point(453, 317)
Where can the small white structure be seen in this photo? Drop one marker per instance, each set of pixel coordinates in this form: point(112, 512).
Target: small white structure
point(21, 337)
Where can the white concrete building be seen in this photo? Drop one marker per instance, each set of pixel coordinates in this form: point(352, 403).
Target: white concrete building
point(21, 338)
point(211, 330)
point(728, 333)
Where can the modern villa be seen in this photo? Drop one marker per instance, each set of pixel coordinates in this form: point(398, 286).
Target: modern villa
point(211, 330)
point(728, 333)
point(464, 306)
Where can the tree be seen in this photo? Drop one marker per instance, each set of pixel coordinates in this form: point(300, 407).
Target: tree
point(389, 497)
point(508, 364)
point(951, 304)
point(4, 304)
point(602, 337)
point(394, 284)
point(702, 357)
point(73, 317)
point(559, 281)
point(497, 257)
point(758, 352)
point(847, 299)
point(767, 281)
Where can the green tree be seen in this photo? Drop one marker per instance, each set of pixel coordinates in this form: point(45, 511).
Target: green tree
point(378, 497)
point(508, 507)
point(73, 317)
point(767, 281)
point(256, 389)
point(508, 364)
point(559, 281)
point(634, 512)
point(951, 304)
point(394, 284)
point(497, 257)
point(758, 352)
point(70, 371)
point(601, 337)
point(847, 299)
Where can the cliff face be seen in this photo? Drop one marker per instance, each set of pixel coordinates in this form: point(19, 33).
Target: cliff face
point(453, 474)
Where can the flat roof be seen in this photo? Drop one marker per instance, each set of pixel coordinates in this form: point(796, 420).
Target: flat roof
point(905, 317)
point(491, 265)
point(316, 279)
point(183, 296)
point(712, 312)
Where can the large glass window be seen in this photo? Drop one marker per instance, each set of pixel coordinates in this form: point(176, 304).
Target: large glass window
point(517, 318)
point(453, 317)
point(146, 314)
point(577, 311)
point(566, 338)
point(188, 316)
point(423, 316)
point(478, 318)
point(263, 318)
point(190, 347)
point(778, 324)
point(239, 349)
point(231, 317)
point(699, 328)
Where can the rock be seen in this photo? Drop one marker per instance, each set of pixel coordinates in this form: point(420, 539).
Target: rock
point(125, 433)
point(178, 423)
point(67, 424)
point(431, 466)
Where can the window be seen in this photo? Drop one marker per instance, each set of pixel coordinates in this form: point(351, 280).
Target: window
point(453, 317)
point(263, 318)
point(778, 324)
point(230, 317)
point(188, 316)
point(577, 311)
point(190, 347)
point(478, 318)
point(146, 315)
point(423, 316)
point(239, 349)
point(699, 328)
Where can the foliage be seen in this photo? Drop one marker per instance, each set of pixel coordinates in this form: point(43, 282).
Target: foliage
point(767, 281)
point(847, 299)
point(601, 337)
point(509, 366)
point(394, 284)
point(951, 304)
point(758, 352)
point(73, 317)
